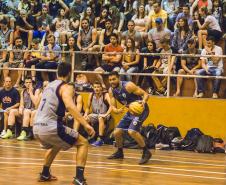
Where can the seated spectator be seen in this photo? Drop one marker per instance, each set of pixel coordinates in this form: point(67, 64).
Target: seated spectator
point(217, 11)
point(157, 13)
point(25, 24)
point(156, 34)
point(55, 5)
point(149, 7)
point(35, 8)
point(149, 65)
point(195, 28)
point(172, 8)
point(26, 110)
point(87, 38)
point(71, 46)
point(16, 60)
point(98, 111)
point(82, 83)
point(201, 3)
point(50, 59)
point(130, 61)
point(10, 101)
point(189, 65)
point(89, 15)
point(140, 19)
point(111, 61)
point(33, 58)
point(130, 7)
point(78, 6)
point(210, 27)
point(62, 26)
point(104, 38)
point(78, 100)
point(165, 65)
point(24, 5)
point(117, 18)
point(6, 35)
point(100, 21)
point(211, 66)
point(185, 14)
point(181, 36)
point(132, 33)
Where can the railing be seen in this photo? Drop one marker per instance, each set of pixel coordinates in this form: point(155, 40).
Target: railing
point(73, 62)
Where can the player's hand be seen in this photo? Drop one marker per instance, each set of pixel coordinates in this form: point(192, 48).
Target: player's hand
point(90, 130)
point(103, 115)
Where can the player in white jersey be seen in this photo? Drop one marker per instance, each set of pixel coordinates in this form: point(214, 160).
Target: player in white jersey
point(49, 128)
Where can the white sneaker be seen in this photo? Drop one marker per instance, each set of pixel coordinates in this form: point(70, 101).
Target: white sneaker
point(3, 133)
point(215, 96)
point(200, 95)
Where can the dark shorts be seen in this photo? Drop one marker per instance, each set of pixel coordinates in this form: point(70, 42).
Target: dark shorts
point(109, 68)
point(215, 33)
point(38, 34)
point(131, 122)
point(32, 62)
point(64, 139)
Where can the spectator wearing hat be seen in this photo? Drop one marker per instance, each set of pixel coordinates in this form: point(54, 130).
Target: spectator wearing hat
point(159, 32)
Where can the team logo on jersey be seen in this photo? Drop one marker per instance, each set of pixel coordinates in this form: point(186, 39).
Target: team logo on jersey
point(124, 95)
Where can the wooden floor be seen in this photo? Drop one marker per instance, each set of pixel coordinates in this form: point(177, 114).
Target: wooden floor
point(20, 163)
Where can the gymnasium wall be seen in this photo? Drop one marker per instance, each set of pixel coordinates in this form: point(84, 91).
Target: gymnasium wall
point(206, 114)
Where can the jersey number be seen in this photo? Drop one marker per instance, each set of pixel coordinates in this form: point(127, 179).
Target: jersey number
point(43, 104)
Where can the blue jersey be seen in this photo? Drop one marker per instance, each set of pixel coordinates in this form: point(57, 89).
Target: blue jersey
point(123, 96)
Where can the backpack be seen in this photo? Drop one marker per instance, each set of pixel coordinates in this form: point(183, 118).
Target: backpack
point(190, 140)
point(151, 135)
point(205, 144)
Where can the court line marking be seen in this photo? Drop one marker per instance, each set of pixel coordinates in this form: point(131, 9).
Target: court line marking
point(118, 164)
point(162, 160)
point(134, 154)
point(125, 170)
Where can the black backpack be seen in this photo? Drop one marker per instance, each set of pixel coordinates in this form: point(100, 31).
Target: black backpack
point(190, 141)
point(205, 144)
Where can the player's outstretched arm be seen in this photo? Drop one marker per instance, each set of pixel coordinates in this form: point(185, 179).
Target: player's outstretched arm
point(67, 96)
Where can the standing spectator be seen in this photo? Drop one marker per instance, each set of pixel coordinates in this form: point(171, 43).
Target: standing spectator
point(172, 8)
point(98, 111)
point(10, 100)
point(157, 13)
point(156, 34)
point(16, 59)
point(25, 24)
point(189, 65)
point(211, 66)
point(111, 61)
point(49, 59)
point(130, 60)
point(132, 33)
point(181, 36)
point(210, 27)
point(87, 37)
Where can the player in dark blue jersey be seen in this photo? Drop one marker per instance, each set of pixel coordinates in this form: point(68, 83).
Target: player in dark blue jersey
point(126, 93)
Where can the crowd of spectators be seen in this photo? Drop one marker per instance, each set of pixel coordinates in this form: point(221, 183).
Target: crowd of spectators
point(112, 26)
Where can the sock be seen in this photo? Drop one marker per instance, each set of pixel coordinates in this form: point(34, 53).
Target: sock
point(145, 148)
point(120, 150)
point(45, 171)
point(80, 173)
point(101, 137)
point(10, 127)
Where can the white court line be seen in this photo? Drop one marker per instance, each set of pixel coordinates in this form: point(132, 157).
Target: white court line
point(126, 170)
point(118, 164)
point(136, 155)
point(162, 160)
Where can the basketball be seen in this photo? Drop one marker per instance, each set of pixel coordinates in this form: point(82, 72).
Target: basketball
point(136, 108)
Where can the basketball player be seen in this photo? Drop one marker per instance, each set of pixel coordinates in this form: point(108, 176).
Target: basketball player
point(49, 128)
point(126, 93)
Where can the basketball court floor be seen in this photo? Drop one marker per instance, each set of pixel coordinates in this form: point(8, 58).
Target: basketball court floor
point(20, 163)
